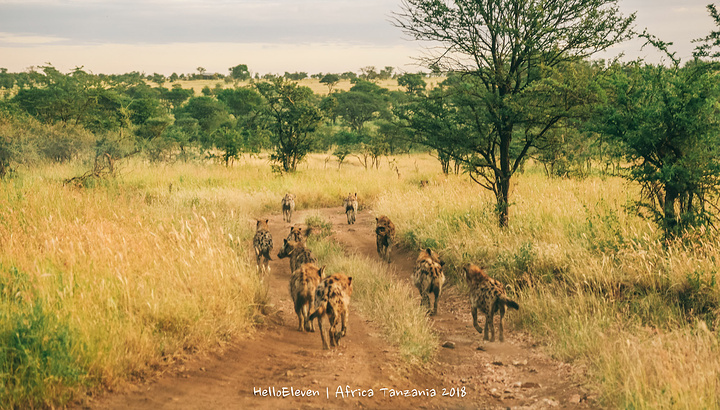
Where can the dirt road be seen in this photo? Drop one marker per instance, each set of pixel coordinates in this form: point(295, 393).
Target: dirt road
point(281, 367)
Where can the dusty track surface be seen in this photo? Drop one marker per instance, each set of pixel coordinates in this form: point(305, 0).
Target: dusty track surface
point(513, 374)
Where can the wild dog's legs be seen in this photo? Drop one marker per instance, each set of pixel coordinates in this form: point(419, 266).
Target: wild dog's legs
point(300, 311)
point(488, 322)
point(333, 333)
point(475, 320)
point(309, 325)
point(345, 318)
point(437, 290)
point(502, 314)
point(322, 333)
point(425, 300)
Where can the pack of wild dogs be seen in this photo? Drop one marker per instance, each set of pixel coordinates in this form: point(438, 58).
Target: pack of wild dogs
point(326, 299)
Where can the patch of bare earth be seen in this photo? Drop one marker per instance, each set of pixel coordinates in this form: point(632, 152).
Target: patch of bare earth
point(278, 366)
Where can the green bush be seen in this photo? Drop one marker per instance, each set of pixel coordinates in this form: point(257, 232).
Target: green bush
point(38, 355)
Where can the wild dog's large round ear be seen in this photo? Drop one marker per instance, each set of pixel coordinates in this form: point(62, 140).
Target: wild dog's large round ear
point(267, 220)
point(285, 241)
point(429, 251)
point(442, 263)
point(350, 280)
point(321, 271)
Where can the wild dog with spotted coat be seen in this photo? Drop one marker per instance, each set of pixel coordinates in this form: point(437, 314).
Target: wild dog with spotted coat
point(297, 252)
point(429, 278)
point(384, 237)
point(332, 300)
point(295, 234)
point(303, 283)
point(488, 296)
point(263, 245)
point(288, 206)
point(350, 204)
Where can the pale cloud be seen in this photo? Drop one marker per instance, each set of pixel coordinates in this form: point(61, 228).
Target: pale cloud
point(142, 21)
point(130, 35)
point(116, 36)
point(24, 40)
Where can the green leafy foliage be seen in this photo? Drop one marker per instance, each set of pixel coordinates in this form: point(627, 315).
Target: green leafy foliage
point(240, 72)
point(330, 80)
point(413, 83)
point(364, 102)
point(292, 115)
point(507, 52)
point(38, 354)
point(666, 117)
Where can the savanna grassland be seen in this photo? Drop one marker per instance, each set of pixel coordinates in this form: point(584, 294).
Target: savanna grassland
point(114, 280)
point(595, 283)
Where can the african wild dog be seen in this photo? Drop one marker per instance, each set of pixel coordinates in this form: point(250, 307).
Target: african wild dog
point(351, 206)
point(295, 234)
point(303, 283)
point(297, 252)
point(488, 296)
point(332, 300)
point(428, 277)
point(384, 237)
point(288, 206)
point(263, 244)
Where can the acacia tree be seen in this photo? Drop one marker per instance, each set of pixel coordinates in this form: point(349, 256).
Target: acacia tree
point(667, 119)
point(434, 119)
point(413, 83)
point(364, 102)
point(505, 47)
point(293, 116)
point(240, 72)
point(331, 81)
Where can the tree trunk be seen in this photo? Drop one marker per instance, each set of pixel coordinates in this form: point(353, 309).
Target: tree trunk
point(503, 177)
point(502, 195)
point(444, 162)
point(670, 218)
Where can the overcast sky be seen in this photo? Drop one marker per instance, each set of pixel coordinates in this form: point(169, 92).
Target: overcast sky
point(166, 36)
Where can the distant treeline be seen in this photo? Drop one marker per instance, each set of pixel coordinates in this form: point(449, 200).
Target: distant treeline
point(8, 80)
point(578, 117)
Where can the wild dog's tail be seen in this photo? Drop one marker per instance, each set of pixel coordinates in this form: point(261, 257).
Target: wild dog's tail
point(319, 311)
point(509, 303)
point(435, 269)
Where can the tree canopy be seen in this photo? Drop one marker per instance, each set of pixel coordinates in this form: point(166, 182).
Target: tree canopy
point(502, 48)
point(292, 116)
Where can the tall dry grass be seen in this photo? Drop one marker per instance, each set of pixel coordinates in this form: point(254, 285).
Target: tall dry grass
point(116, 279)
point(593, 280)
point(109, 282)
